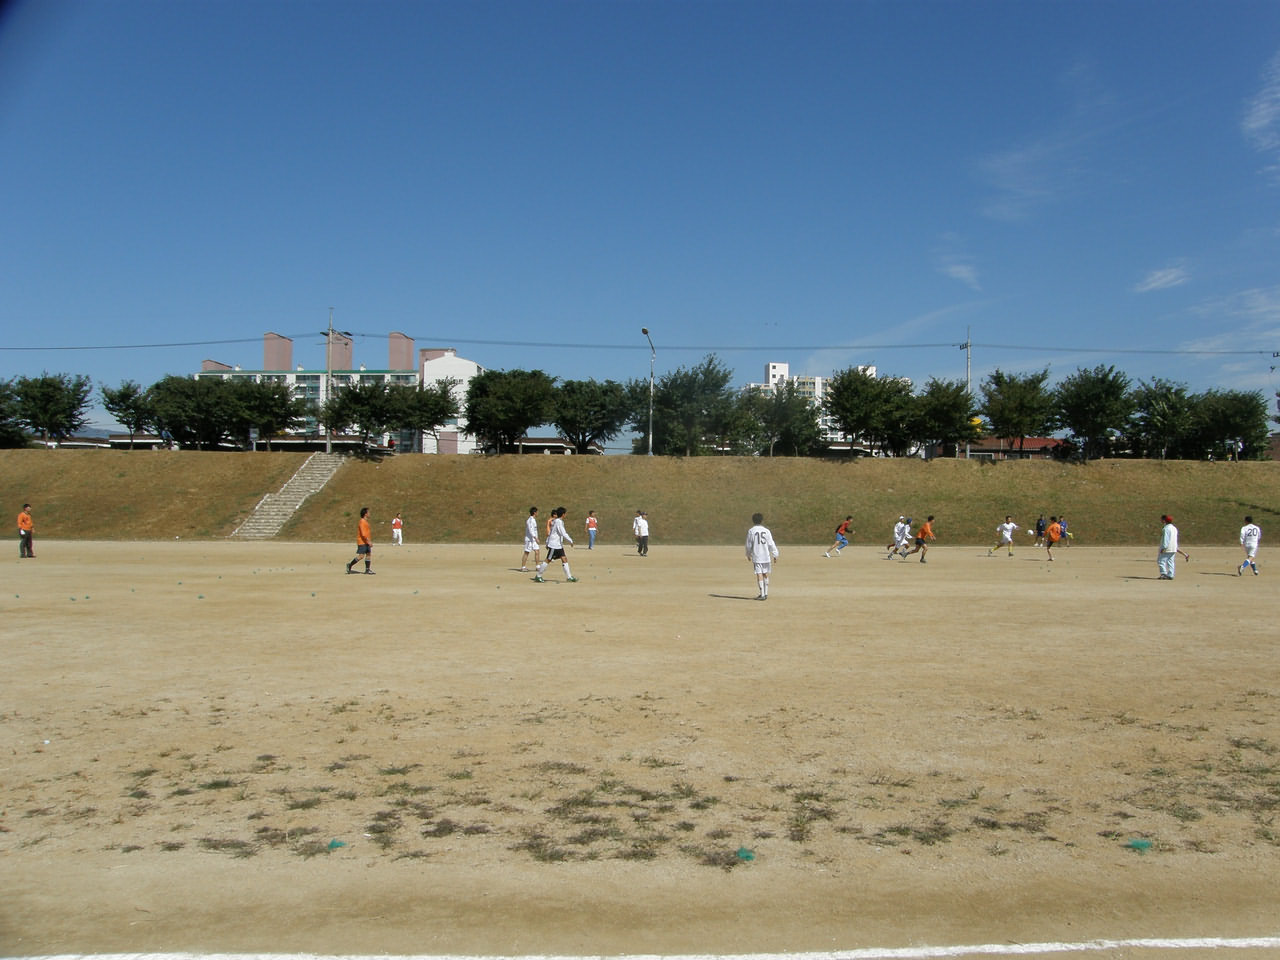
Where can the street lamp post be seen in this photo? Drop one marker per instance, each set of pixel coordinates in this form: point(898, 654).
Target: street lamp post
point(653, 355)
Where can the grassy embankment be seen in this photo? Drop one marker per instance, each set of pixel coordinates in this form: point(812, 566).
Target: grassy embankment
point(144, 495)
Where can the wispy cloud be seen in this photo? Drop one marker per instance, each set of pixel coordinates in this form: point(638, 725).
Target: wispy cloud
point(1261, 123)
point(960, 268)
point(1245, 320)
point(1174, 275)
point(1048, 165)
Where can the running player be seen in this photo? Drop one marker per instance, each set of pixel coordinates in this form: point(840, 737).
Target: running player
point(842, 538)
point(1052, 534)
point(1004, 535)
point(901, 536)
point(924, 533)
point(1250, 536)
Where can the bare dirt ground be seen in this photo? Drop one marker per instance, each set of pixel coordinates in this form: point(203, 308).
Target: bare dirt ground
point(236, 747)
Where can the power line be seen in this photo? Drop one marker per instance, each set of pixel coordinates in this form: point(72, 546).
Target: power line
point(715, 348)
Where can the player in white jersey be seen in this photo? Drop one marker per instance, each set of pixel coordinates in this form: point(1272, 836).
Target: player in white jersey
point(1004, 533)
point(530, 540)
point(1250, 536)
point(761, 551)
point(556, 540)
point(901, 538)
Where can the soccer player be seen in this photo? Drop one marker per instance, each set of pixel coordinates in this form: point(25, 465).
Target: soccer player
point(924, 533)
point(397, 531)
point(1168, 552)
point(592, 525)
point(842, 538)
point(901, 534)
point(762, 552)
point(556, 540)
point(26, 528)
point(1004, 534)
point(1041, 525)
point(364, 542)
point(642, 533)
point(1052, 534)
point(1250, 535)
point(530, 540)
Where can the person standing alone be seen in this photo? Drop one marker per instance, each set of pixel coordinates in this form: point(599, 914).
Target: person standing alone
point(762, 552)
point(592, 525)
point(26, 529)
point(1168, 551)
point(397, 531)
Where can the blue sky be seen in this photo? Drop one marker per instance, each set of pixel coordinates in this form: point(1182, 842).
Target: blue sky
point(826, 184)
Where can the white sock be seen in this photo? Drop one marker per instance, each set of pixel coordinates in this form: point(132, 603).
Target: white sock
point(540, 567)
point(566, 570)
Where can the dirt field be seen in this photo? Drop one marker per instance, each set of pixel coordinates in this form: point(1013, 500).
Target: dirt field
point(236, 747)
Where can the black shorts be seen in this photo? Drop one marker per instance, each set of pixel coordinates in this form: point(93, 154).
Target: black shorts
point(363, 548)
point(919, 541)
point(555, 553)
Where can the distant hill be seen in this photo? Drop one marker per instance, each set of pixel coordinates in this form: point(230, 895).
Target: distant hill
point(146, 495)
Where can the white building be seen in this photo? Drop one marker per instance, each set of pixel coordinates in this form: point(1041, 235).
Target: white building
point(813, 388)
point(340, 371)
point(437, 365)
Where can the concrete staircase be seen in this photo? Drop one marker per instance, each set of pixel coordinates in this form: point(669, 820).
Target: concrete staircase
point(275, 509)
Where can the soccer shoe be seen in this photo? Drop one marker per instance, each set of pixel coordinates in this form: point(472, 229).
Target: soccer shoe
point(988, 553)
point(538, 580)
point(573, 579)
point(827, 555)
point(1255, 568)
point(1240, 570)
point(369, 573)
point(524, 569)
point(350, 565)
point(923, 560)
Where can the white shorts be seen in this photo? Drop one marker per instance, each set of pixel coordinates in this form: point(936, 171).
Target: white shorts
point(763, 567)
point(530, 545)
point(1251, 552)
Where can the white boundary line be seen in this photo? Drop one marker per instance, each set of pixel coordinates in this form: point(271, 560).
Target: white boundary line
point(867, 953)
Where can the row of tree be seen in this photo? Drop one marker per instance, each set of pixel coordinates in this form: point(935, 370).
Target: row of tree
point(693, 411)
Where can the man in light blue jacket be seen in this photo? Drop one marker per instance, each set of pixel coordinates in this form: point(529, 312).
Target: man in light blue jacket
point(1168, 548)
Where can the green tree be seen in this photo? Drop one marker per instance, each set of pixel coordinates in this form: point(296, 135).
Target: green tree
point(130, 404)
point(1231, 424)
point(199, 413)
point(369, 407)
point(790, 422)
point(944, 414)
point(741, 430)
point(1017, 407)
point(878, 411)
point(1162, 418)
point(11, 433)
point(424, 408)
point(589, 411)
point(270, 407)
point(691, 409)
point(53, 405)
point(502, 406)
point(1094, 405)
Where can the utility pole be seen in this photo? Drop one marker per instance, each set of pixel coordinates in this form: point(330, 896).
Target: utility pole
point(967, 347)
point(653, 355)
